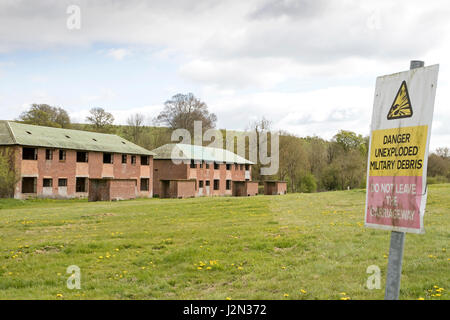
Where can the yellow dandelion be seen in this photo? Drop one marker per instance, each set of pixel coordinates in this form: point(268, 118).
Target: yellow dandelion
point(343, 293)
point(302, 291)
point(286, 295)
point(227, 298)
point(59, 295)
point(420, 298)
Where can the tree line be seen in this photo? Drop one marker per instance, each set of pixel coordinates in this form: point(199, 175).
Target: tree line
point(308, 164)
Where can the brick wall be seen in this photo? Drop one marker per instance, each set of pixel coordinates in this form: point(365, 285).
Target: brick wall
point(70, 169)
point(167, 170)
point(122, 189)
point(252, 188)
point(275, 187)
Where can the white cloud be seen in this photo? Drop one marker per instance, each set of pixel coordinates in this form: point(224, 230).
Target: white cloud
point(305, 64)
point(118, 54)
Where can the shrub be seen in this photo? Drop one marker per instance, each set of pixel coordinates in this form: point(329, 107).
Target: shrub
point(437, 179)
point(8, 174)
point(308, 184)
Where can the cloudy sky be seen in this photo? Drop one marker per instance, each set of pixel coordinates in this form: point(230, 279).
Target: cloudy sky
point(308, 65)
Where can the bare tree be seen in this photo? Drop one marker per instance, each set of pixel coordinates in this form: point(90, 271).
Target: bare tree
point(182, 110)
point(443, 152)
point(135, 127)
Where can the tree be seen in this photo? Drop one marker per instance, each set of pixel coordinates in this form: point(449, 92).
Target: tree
point(100, 119)
point(182, 110)
point(350, 140)
point(9, 176)
point(294, 163)
point(45, 115)
point(261, 128)
point(135, 127)
point(438, 166)
point(443, 152)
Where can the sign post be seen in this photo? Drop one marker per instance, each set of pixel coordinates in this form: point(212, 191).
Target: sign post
point(398, 157)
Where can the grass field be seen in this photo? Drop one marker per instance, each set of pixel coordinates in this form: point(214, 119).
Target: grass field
point(298, 246)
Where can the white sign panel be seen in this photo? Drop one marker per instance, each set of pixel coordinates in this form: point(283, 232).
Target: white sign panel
point(398, 152)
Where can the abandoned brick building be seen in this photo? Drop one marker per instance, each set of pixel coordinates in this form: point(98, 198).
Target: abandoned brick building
point(65, 163)
point(183, 170)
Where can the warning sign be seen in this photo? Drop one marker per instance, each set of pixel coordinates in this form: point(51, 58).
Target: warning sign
point(398, 151)
point(401, 107)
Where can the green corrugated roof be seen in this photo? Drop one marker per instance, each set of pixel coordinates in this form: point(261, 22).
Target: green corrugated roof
point(6, 138)
point(14, 133)
point(188, 152)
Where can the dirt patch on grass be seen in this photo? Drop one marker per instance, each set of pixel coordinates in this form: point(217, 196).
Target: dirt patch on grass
point(47, 249)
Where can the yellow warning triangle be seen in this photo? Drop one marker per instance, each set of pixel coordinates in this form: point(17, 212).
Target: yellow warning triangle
point(401, 107)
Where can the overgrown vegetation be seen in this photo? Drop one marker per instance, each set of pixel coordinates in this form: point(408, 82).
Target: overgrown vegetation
point(8, 173)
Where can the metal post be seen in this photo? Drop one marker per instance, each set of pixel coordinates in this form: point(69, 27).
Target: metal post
point(394, 272)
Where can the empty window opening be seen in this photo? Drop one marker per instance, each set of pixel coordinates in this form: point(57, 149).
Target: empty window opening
point(81, 185)
point(247, 167)
point(145, 160)
point(62, 155)
point(133, 159)
point(216, 166)
point(62, 182)
point(145, 182)
point(124, 158)
point(47, 183)
point(207, 165)
point(107, 158)
point(207, 183)
point(82, 156)
point(228, 185)
point(200, 184)
point(216, 184)
point(29, 154)
point(228, 166)
point(192, 164)
point(48, 154)
point(29, 185)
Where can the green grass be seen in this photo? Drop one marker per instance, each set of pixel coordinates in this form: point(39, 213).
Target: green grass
point(256, 248)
